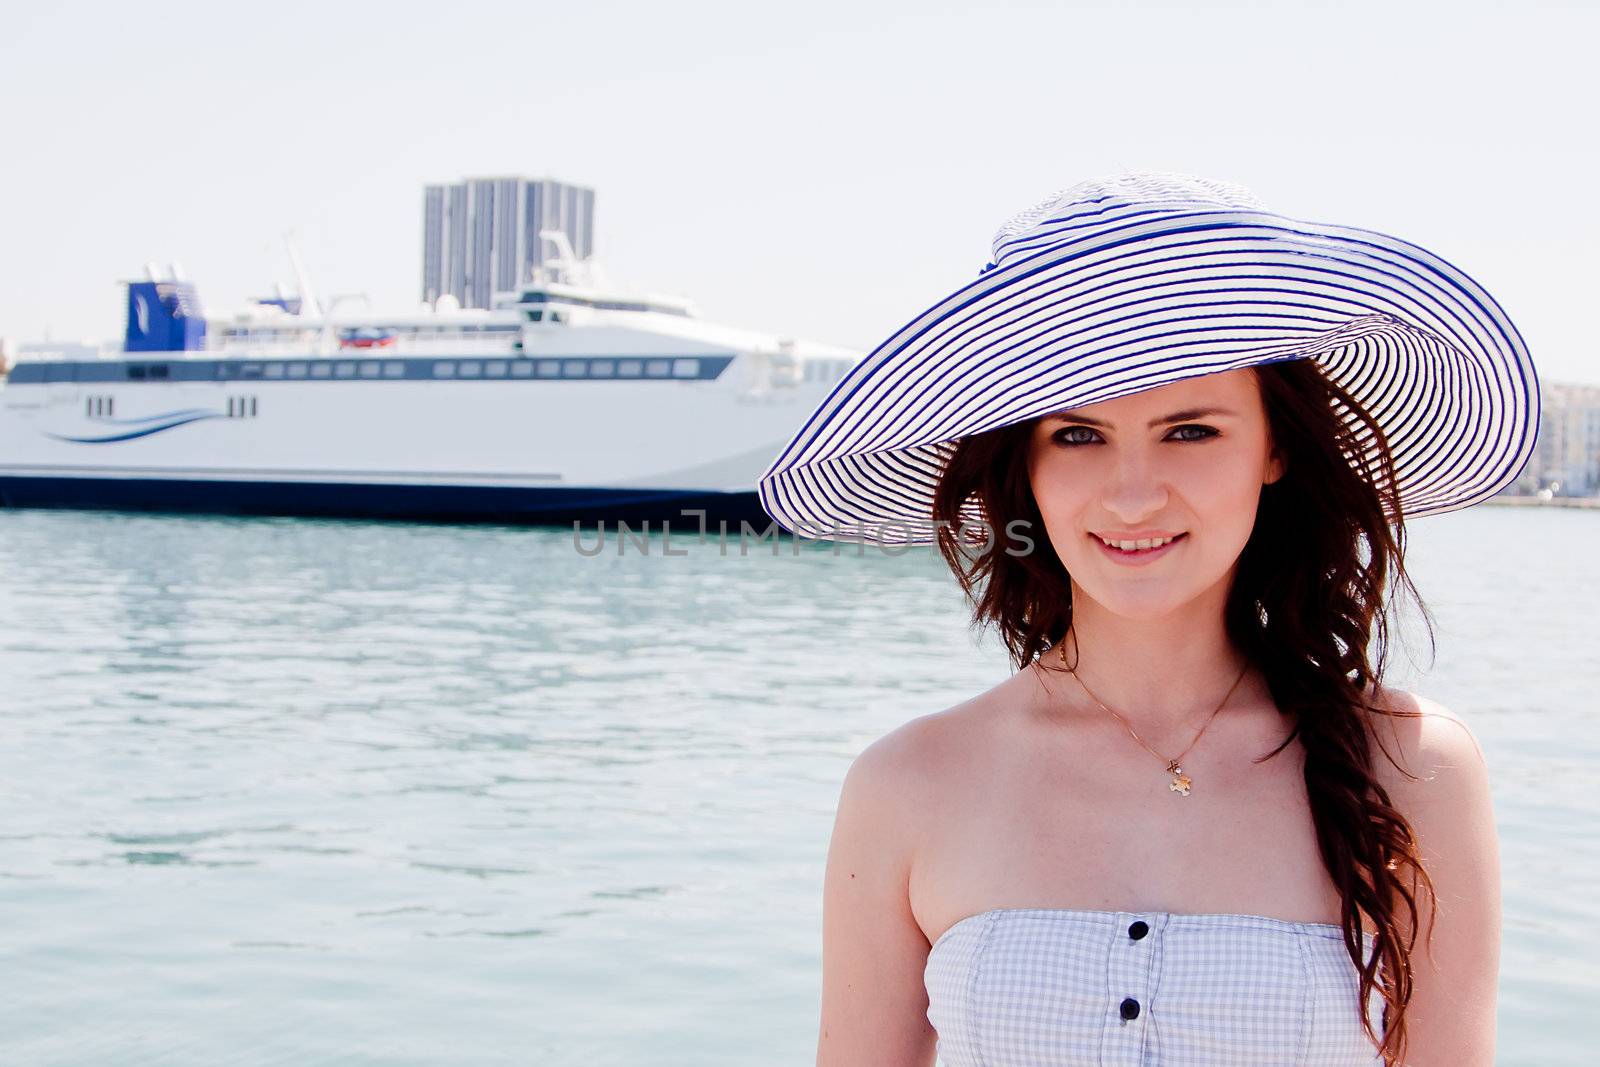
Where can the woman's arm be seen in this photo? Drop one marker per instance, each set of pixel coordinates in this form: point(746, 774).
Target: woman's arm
point(874, 1004)
point(1451, 1018)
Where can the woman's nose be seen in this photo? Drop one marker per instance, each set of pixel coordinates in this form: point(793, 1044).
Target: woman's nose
point(1135, 489)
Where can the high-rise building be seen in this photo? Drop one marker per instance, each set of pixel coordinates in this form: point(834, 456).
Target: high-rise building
point(481, 236)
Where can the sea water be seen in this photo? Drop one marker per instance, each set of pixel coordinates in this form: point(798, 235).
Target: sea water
point(278, 791)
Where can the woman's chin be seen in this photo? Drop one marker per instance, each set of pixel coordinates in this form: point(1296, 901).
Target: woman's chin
point(1157, 602)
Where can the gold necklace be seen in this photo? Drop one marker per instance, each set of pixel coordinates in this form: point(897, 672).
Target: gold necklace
point(1181, 782)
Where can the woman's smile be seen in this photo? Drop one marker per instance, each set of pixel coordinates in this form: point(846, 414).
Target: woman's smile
point(1136, 556)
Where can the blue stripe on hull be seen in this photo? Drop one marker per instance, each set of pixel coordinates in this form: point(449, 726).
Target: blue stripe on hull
point(441, 503)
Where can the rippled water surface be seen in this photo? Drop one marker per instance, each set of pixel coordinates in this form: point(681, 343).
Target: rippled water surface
point(287, 791)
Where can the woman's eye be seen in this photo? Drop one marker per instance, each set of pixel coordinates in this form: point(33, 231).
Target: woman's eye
point(1199, 433)
point(1061, 435)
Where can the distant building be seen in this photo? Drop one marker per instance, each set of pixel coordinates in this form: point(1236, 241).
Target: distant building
point(481, 236)
point(1566, 453)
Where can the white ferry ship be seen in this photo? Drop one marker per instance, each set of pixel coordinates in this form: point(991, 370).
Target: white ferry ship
point(566, 401)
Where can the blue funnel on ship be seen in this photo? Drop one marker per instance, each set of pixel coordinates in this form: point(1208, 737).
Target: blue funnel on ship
point(164, 317)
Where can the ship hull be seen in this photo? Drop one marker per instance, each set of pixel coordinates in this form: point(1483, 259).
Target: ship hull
point(518, 505)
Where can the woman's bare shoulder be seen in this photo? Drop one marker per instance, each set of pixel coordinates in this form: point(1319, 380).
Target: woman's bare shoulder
point(1423, 737)
point(1434, 770)
point(921, 763)
point(924, 749)
point(1450, 811)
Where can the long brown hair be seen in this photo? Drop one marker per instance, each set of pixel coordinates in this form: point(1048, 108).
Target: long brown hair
point(1308, 596)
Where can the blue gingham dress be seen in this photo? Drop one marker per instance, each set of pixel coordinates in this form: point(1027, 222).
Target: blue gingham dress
point(1037, 987)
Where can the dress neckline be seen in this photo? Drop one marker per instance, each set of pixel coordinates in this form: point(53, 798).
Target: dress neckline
point(1193, 918)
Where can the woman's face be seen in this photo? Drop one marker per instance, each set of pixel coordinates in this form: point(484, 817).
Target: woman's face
point(1186, 460)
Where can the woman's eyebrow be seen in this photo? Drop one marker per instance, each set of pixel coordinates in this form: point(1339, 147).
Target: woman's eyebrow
point(1177, 416)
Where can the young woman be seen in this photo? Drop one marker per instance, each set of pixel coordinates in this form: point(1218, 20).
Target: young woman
point(1167, 442)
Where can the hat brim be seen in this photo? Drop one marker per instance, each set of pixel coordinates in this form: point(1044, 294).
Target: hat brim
point(1151, 301)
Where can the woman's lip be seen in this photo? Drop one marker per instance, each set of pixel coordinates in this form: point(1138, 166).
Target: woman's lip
point(1138, 557)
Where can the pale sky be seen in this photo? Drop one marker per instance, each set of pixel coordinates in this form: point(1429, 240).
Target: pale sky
point(819, 169)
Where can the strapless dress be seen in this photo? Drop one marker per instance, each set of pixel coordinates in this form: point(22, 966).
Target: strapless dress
point(1041, 987)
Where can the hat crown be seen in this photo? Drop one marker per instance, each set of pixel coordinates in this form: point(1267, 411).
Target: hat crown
point(1105, 198)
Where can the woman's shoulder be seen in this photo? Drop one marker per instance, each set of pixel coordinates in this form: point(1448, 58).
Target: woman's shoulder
point(1424, 736)
point(1442, 789)
point(916, 765)
point(1427, 757)
point(921, 748)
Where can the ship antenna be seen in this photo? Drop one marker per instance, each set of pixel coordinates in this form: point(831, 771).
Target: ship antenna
point(566, 259)
point(309, 304)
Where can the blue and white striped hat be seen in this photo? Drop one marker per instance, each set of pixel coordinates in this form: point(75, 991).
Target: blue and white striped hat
point(1128, 282)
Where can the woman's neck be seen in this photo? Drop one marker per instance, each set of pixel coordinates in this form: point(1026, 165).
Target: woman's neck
point(1163, 674)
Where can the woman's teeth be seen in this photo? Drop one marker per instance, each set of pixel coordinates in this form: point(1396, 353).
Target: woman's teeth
point(1129, 546)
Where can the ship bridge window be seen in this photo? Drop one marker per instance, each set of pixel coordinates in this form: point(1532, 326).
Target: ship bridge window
point(470, 368)
point(137, 372)
point(535, 316)
point(630, 368)
point(521, 369)
point(602, 368)
point(573, 368)
point(344, 370)
point(537, 297)
point(321, 370)
point(686, 368)
point(495, 369)
point(657, 368)
point(394, 370)
point(296, 370)
point(444, 369)
point(549, 368)
point(273, 370)
point(371, 370)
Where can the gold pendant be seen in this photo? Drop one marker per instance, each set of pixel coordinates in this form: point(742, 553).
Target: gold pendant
point(1180, 781)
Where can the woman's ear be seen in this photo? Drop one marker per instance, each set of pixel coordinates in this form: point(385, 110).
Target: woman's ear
point(1275, 467)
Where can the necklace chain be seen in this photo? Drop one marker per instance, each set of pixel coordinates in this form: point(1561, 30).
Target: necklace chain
point(1181, 782)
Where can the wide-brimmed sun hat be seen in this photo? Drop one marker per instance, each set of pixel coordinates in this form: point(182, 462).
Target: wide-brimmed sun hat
point(1129, 282)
